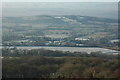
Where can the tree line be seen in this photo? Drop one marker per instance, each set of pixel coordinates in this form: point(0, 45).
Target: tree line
point(40, 63)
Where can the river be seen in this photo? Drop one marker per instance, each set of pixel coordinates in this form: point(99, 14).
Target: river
point(71, 49)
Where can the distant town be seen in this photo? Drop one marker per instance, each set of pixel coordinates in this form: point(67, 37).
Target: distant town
point(77, 31)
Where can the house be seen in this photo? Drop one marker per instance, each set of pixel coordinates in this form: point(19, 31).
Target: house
point(81, 39)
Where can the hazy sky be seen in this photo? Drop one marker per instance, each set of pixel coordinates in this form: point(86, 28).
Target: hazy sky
point(98, 9)
point(10, 10)
point(60, 0)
